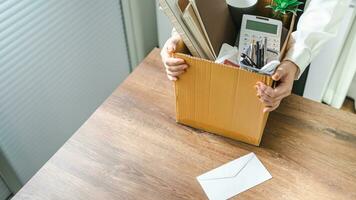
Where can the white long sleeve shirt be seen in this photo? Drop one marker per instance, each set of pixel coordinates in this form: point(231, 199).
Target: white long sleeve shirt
point(317, 25)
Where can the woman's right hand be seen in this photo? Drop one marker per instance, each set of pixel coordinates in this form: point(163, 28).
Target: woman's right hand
point(174, 66)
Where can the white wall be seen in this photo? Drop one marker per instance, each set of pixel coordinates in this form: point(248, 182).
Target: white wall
point(164, 27)
point(141, 28)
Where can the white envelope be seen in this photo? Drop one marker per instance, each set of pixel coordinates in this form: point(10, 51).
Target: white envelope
point(234, 177)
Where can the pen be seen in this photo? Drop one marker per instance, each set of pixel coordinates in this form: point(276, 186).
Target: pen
point(250, 52)
point(258, 54)
point(262, 55)
point(253, 49)
point(247, 60)
point(265, 51)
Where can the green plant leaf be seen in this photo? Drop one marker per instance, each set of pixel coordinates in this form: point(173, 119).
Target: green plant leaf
point(292, 11)
point(275, 7)
point(279, 10)
point(285, 6)
point(296, 4)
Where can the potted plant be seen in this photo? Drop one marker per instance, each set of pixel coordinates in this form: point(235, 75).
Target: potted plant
point(284, 9)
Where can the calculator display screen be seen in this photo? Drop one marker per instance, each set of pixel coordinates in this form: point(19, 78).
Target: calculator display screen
point(262, 27)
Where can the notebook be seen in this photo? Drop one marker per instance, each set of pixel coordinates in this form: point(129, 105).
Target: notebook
point(173, 12)
point(194, 26)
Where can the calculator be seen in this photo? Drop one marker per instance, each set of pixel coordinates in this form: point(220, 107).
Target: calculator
point(254, 28)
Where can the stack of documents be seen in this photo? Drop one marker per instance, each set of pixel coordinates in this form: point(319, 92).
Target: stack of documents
point(204, 25)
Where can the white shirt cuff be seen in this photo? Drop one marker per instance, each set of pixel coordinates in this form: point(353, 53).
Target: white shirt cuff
point(299, 55)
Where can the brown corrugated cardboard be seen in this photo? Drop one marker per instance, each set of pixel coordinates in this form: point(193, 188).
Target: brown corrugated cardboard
point(221, 99)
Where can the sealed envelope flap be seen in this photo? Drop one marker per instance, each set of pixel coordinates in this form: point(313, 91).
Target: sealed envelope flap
point(220, 99)
point(228, 170)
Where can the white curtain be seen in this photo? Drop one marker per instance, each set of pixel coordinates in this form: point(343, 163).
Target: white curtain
point(344, 72)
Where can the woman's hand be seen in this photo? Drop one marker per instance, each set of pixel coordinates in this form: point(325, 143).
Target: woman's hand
point(174, 66)
point(285, 75)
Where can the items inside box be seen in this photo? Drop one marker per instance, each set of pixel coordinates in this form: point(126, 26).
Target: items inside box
point(259, 45)
point(210, 32)
point(230, 55)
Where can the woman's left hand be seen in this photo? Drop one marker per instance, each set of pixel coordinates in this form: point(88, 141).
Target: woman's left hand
point(285, 75)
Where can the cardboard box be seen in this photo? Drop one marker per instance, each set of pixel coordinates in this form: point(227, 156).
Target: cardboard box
point(221, 99)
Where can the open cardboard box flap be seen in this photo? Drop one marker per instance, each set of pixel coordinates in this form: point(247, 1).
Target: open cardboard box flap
point(220, 98)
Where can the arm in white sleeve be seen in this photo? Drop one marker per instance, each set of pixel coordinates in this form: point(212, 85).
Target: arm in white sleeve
point(174, 32)
point(318, 24)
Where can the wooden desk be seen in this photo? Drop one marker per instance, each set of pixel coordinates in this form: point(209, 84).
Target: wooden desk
point(132, 148)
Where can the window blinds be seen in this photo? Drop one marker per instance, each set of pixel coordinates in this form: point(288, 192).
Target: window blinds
point(59, 60)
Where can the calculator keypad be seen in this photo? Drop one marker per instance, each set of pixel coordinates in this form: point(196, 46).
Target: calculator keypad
point(272, 42)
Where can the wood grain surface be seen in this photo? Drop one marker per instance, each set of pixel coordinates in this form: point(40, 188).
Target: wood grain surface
point(132, 148)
